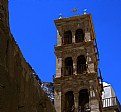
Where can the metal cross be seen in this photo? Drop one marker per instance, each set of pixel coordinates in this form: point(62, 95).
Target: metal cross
point(75, 11)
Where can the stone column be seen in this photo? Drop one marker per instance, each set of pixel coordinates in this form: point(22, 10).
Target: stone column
point(59, 39)
point(94, 103)
point(57, 100)
point(58, 67)
point(74, 65)
point(73, 36)
point(91, 68)
point(87, 37)
point(76, 97)
point(63, 103)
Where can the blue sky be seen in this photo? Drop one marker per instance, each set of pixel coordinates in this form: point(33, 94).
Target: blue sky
point(32, 25)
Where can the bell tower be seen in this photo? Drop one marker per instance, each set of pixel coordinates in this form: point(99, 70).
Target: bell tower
point(77, 85)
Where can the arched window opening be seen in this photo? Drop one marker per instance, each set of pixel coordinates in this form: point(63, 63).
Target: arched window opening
point(81, 64)
point(69, 102)
point(68, 66)
point(84, 101)
point(68, 37)
point(79, 36)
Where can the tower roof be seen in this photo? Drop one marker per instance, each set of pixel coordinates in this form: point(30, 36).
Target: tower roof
point(73, 18)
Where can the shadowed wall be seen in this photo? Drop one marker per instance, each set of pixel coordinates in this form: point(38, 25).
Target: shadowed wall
point(19, 88)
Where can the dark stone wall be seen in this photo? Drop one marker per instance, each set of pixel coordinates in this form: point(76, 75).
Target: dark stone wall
point(19, 88)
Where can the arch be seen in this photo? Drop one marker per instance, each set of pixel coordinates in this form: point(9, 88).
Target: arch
point(68, 66)
point(83, 100)
point(67, 89)
point(79, 36)
point(81, 64)
point(67, 37)
point(69, 101)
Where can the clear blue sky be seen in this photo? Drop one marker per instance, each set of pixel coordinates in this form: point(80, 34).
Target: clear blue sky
point(33, 28)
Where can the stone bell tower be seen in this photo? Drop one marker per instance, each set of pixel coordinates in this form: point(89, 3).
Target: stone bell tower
point(77, 84)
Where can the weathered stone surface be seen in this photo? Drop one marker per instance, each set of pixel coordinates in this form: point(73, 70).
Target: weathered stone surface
point(19, 89)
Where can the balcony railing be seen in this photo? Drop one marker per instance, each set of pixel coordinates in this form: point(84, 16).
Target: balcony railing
point(68, 70)
point(81, 68)
point(79, 39)
point(111, 102)
point(67, 41)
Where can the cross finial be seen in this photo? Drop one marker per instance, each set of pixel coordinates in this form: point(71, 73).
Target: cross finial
point(75, 11)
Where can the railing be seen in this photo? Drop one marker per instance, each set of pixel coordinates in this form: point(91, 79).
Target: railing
point(111, 102)
point(81, 68)
point(68, 70)
point(67, 41)
point(79, 38)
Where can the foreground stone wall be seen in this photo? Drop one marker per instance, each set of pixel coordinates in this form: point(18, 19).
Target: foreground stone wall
point(19, 87)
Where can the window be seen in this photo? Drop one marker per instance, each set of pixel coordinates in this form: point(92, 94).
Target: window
point(81, 64)
point(79, 36)
point(69, 102)
point(84, 101)
point(68, 66)
point(67, 37)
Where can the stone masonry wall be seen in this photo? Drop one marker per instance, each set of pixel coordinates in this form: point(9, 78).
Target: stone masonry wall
point(19, 88)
